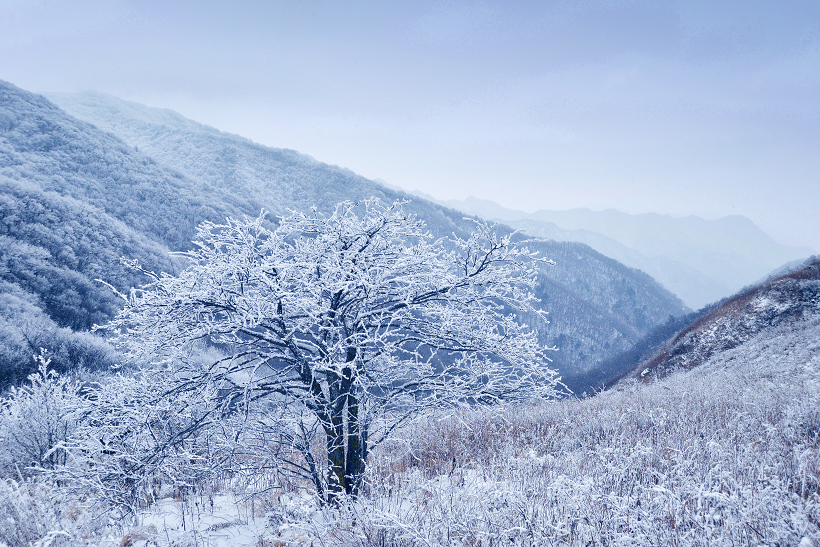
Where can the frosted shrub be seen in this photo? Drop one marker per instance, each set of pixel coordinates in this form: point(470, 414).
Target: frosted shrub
point(30, 514)
point(37, 513)
point(36, 421)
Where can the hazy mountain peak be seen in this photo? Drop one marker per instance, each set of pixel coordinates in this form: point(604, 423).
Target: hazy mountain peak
point(700, 260)
point(120, 111)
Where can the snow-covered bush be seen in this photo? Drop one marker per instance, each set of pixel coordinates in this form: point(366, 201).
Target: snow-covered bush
point(36, 421)
point(32, 513)
point(39, 423)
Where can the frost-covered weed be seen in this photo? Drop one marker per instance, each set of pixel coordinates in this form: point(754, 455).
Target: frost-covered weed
point(28, 513)
point(36, 421)
point(37, 513)
point(726, 454)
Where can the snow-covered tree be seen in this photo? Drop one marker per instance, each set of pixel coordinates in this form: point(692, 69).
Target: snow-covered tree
point(344, 324)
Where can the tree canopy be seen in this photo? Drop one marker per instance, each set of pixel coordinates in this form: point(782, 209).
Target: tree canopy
point(342, 325)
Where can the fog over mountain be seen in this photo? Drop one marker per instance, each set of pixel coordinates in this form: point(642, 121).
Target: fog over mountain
point(133, 181)
point(699, 260)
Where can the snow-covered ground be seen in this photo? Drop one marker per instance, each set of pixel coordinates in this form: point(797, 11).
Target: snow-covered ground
point(724, 454)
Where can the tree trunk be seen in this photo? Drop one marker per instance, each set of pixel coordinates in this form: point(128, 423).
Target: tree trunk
point(356, 448)
point(346, 441)
point(346, 454)
point(335, 460)
point(335, 440)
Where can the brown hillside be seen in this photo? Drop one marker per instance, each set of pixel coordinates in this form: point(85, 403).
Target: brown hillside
point(790, 297)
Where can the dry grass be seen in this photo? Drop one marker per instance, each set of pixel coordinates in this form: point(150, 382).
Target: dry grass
point(724, 455)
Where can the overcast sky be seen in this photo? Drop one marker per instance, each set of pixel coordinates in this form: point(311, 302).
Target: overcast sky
point(707, 108)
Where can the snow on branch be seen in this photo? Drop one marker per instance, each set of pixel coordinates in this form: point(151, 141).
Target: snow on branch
point(358, 317)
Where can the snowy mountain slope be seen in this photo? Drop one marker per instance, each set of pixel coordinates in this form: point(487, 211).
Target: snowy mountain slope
point(52, 249)
point(253, 176)
point(59, 233)
point(775, 309)
point(44, 146)
point(700, 260)
point(596, 304)
point(161, 175)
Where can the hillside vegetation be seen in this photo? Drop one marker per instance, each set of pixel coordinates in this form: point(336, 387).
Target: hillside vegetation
point(726, 453)
point(54, 248)
point(782, 301)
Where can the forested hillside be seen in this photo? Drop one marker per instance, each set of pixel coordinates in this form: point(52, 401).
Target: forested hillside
point(78, 196)
point(46, 147)
point(245, 176)
point(53, 249)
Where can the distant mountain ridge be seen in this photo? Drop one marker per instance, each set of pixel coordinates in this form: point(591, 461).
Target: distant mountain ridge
point(254, 175)
point(700, 260)
point(153, 174)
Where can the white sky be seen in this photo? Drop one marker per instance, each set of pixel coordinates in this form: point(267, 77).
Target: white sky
point(693, 107)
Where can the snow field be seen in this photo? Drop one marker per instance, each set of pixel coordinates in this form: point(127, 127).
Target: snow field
point(724, 454)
